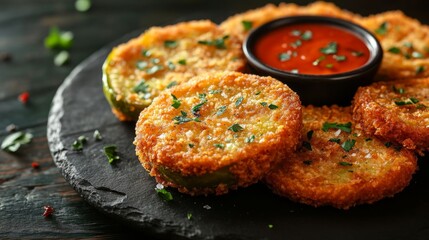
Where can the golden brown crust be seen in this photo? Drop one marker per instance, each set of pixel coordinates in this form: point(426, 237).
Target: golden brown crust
point(329, 175)
point(387, 110)
point(406, 34)
point(267, 132)
point(189, 54)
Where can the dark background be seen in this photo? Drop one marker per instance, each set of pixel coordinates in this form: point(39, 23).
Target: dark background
point(23, 26)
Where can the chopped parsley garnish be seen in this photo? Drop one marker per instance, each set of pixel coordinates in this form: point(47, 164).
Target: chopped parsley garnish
point(163, 193)
point(15, 140)
point(318, 60)
point(307, 145)
point(411, 101)
point(283, 57)
point(171, 65)
point(146, 52)
point(272, 106)
point(331, 48)
point(239, 101)
point(97, 135)
point(142, 87)
point(307, 35)
point(61, 58)
point(191, 145)
point(247, 25)
point(215, 91)
point(382, 29)
point(340, 58)
point(357, 53)
point(170, 43)
point(154, 69)
point(221, 110)
point(82, 5)
point(394, 50)
point(182, 62)
point(348, 144)
point(329, 65)
point(176, 102)
point(398, 90)
point(183, 118)
point(155, 60)
point(219, 145)
point(57, 39)
point(219, 43)
point(250, 139)
point(141, 65)
point(307, 162)
point(263, 104)
point(416, 54)
point(111, 154)
point(196, 109)
point(310, 134)
point(346, 127)
point(236, 127)
point(420, 69)
point(296, 44)
point(335, 140)
point(79, 142)
point(345, 164)
point(171, 84)
point(259, 92)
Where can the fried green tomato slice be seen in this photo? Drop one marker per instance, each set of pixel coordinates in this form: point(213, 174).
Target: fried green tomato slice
point(136, 72)
point(218, 131)
point(395, 111)
point(339, 166)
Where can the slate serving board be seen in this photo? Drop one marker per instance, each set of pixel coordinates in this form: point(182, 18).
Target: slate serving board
point(125, 191)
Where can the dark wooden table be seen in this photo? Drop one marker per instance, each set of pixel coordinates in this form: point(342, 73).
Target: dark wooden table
point(23, 26)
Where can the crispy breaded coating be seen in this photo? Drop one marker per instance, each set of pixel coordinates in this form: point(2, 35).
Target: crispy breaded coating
point(137, 71)
point(218, 131)
point(241, 24)
point(405, 42)
point(396, 111)
point(339, 168)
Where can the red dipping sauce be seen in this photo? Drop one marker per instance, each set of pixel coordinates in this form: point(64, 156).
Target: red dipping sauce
point(312, 48)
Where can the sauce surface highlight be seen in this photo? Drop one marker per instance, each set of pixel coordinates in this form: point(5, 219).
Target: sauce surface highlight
point(312, 48)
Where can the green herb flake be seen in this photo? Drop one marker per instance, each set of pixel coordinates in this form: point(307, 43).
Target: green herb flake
point(420, 69)
point(348, 144)
point(183, 118)
point(264, 104)
point(191, 145)
point(318, 60)
point(141, 65)
point(221, 110)
point(189, 216)
point(283, 57)
point(182, 62)
point(310, 135)
point(340, 58)
point(247, 25)
point(196, 109)
point(272, 106)
point(250, 139)
point(146, 52)
point(335, 140)
point(62, 58)
point(97, 135)
point(394, 50)
point(307, 145)
point(111, 154)
point(329, 65)
point(171, 65)
point(82, 5)
point(357, 53)
point(176, 102)
point(382, 29)
point(411, 101)
point(239, 101)
point(259, 92)
point(307, 35)
point(346, 127)
point(219, 43)
point(219, 145)
point(295, 33)
point(236, 127)
point(170, 43)
point(57, 39)
point(171, 84)
point(331, 48)
point(345, 164)
point(15, 140)
point(215, 91)
point(79, 142)
point(398, 90)
point(164, 194)
point(307, 162)
point(141, 87)
point(154, 69)
point(296, 44)
point(416, 54)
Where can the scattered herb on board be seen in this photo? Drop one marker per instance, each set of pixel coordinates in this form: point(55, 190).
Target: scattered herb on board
point(82, 5)
point(79, 142)
point(62, 58)
point(97, 135)
point(48, 211)
point(111, 154)
point(176, 102)
point(15, 140)
point(247, 25)
point(219, 43)
point(11, 128)
point(163, 193)
point(346, 127)
point(348, 144)
point(58, 39)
